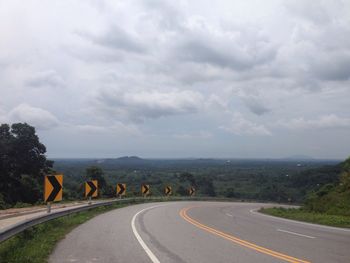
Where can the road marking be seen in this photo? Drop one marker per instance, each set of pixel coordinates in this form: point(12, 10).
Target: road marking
point(254, 211)
point(150, 254)
point(229, 215)
point(183, 214)
point(293, 233)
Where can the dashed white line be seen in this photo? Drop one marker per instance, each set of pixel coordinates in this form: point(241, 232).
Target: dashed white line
point(229, 215)
point(150, 254)
point(294, 233)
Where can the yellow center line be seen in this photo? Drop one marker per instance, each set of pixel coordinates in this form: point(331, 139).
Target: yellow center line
point(184, 215)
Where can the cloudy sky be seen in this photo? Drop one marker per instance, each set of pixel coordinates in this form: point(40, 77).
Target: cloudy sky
point(190, 78)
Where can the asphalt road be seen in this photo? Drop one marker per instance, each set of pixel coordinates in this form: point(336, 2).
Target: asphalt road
point(200, 232)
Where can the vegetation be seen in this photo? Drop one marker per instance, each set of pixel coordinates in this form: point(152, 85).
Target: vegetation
point(268, 180)
point(329, 205)
point(22, 165)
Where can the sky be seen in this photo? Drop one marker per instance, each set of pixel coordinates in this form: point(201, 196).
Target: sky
point(178, 79)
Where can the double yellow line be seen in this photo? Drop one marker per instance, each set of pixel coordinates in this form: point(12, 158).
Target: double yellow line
point(183, 214)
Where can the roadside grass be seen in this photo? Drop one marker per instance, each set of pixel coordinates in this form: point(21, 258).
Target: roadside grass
point(311, 217)
point(35, 244)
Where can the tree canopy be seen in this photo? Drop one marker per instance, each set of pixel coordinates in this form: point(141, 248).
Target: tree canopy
point(22, 164)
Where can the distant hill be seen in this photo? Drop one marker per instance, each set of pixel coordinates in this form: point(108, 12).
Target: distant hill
point(129, 159)
point(299, 157)
point(125, 161)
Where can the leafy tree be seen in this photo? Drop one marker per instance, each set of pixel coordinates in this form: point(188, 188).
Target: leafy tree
point(22, 164)
point(96, 173)
point(230, 192)
point(188, 177)
point(181, 191)
point(206, 186)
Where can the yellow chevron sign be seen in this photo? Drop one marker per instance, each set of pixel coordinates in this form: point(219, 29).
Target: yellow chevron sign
point(191, 191)
point(91, 188)
point(145, 189)
point(121, 189)
point(168, 190)
point(53, 188)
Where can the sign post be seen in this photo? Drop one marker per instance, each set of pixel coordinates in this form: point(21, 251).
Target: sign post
point(48, 205)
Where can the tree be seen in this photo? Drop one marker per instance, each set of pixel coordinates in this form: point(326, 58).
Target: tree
point(181, 191)
point(206, 186)
point(183, 177)
point(96, 173)
point(230, 192)
point(22, 164)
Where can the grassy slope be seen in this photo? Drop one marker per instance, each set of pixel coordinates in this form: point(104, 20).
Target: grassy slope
point(330, 205)
point(312, 217)
point(36, 244)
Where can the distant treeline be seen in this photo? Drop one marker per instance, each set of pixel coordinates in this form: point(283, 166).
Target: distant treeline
point(23, 165)
point(266, 180)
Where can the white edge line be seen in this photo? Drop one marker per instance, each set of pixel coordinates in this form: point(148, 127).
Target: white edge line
point(254, 211)
point(294, 233)
point(150, 254)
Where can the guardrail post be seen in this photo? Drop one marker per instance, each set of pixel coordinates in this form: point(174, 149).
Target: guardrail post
point(48, 205)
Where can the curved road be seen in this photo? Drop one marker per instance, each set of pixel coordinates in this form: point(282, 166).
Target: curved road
point(200, 232)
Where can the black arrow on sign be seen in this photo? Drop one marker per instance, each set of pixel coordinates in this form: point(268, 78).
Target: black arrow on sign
point(168, 190)
point(56, 188)
point(146, 189)
point(93, 188)
point(192, 191)
point(121, 189)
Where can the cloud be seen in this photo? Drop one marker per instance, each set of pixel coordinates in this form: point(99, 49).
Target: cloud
point(139, 105)
point(319, 48)
point(311, 11)
point(241, 126)
point(86, 128)
point(39, 118)
point(166, 67)
point(256, 106)
point(165, 14)
point(236, 48)
point(3, 117)
point(334, 67)
point(47, 78)
point(118, 39)
point(330, 121)
point(115, 128)
point(194, 135)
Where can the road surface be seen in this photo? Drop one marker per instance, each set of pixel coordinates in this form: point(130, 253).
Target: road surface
point(200, 232)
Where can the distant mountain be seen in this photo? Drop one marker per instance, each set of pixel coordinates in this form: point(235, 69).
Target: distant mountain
point(129, 159)
point(125, 161)
point(299, 157)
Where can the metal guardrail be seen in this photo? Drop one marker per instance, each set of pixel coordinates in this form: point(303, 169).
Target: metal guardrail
point(14, 229)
